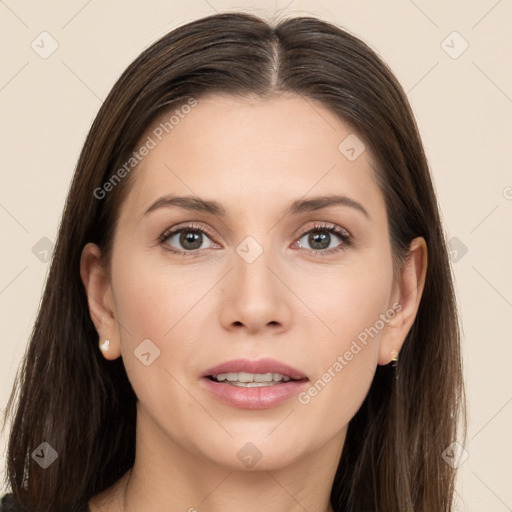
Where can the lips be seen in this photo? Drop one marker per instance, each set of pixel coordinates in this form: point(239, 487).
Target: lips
point(266, 365)
point(259, 395)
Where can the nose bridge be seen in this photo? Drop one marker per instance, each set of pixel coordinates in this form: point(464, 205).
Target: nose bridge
point(255, 296)
point(252, 260)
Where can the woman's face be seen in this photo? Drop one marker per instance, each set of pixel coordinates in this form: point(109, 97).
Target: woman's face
point(246, 284)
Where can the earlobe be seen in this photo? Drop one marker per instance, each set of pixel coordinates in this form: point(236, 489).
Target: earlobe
point(100, 301)
point(410, 287)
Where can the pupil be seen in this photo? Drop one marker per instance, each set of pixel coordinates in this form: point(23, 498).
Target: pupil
point(318, 237)
point(191, 239)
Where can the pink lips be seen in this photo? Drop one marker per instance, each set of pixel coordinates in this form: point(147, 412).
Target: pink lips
point(261, 397)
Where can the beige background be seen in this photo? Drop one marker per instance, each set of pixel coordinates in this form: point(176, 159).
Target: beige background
point(463, 106)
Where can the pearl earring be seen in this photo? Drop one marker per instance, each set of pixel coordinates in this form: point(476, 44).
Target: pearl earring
point(104, 346)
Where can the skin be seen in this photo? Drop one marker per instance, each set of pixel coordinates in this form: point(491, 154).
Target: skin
point(254, 157)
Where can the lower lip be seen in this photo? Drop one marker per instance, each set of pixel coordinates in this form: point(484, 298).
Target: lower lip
point(261, 397)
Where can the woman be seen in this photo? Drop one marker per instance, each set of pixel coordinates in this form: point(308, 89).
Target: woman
point(250, 239)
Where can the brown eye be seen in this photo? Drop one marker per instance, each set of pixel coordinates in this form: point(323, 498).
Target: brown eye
point(324, 239)
point(319, 240)
point(191, 240)
point(186, 239)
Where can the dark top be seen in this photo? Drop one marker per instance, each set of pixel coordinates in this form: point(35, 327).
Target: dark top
point(7, 505)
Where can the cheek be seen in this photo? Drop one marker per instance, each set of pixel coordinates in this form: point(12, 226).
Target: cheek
point(160, 303)
point(357, 303)
point(152, 298)
point(345, 357)
point(154, 303)
point(346, 300)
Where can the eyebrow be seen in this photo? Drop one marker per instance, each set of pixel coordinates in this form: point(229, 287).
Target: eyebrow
point(195, 203)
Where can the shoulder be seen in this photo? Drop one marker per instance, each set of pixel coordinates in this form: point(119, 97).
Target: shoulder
point(7, 505)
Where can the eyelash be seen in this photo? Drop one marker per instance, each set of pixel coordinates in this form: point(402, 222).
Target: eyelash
point(344, 236)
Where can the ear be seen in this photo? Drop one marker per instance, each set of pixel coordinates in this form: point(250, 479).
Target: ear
point(406, 300)
point(100, 299)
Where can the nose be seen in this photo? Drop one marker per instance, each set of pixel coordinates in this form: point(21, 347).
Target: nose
point(255, 299)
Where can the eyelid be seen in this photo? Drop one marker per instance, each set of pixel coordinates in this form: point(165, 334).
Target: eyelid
point(324, 225)
point(191, 226)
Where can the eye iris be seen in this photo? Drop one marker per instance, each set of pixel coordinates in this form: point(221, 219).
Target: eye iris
point(191, 239)
point(319, 237)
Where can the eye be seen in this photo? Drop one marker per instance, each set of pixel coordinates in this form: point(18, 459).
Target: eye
point(186, 239)
point(191, 239)
point(325, 239)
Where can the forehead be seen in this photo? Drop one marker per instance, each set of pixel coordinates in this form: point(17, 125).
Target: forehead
point(252, 153)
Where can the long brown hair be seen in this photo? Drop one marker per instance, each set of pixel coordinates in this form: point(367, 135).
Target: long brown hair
point(84, 406)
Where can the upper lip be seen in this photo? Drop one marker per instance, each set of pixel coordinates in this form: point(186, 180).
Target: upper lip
point(266, 365)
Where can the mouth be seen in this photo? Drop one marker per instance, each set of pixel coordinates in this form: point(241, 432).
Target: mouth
point(254, 373)
point(252, 380)
point(259, 384)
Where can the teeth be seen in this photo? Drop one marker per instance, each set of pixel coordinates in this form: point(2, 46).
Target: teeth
point(253, 384)
point(256, 378)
